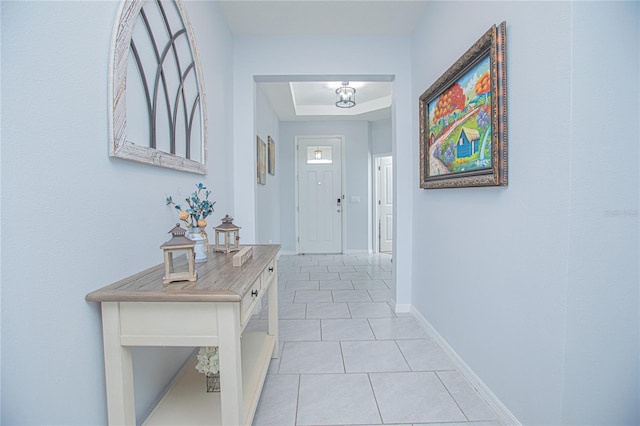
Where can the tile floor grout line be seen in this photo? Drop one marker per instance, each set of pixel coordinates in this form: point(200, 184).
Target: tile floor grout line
point(402, 353)
point(451, 395)
point(375, 398)
point(295, 419)
point(284, 345)
point(372, 330)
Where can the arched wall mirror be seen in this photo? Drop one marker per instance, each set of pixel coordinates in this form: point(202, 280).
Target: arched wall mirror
point(156, 93)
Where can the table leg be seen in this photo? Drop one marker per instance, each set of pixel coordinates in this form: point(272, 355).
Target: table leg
point(118, 365)
point(272, 294)
point(229, 352)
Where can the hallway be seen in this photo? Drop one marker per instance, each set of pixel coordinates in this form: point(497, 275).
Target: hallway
point(346, 358)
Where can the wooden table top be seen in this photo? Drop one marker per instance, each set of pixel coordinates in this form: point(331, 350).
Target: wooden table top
point(218, 281)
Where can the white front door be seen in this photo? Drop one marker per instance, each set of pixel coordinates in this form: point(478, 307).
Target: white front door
point(385, 204)
point(320, 199)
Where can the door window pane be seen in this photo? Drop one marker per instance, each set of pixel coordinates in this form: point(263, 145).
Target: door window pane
point(319, 155)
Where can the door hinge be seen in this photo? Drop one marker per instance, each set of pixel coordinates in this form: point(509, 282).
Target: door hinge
point(378, 168)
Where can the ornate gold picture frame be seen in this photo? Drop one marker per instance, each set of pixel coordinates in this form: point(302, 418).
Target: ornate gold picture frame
point(271, 157)
point(261, 161)
point(463, 119)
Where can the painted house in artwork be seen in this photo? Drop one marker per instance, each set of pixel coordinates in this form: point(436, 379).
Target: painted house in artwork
point(468, 142)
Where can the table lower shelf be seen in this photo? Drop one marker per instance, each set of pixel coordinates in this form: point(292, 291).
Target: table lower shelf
point(187, 401)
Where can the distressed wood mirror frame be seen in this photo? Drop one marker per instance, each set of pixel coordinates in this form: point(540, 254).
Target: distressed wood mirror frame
point(156, 95)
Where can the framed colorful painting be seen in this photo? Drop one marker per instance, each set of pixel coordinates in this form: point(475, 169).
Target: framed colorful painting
point(463, 119)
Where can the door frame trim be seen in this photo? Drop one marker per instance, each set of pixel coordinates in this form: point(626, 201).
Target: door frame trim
point(342, 187)
point(375, 159)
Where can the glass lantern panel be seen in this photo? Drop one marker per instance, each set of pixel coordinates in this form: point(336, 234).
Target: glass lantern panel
point(319, 155)
point(179, 261)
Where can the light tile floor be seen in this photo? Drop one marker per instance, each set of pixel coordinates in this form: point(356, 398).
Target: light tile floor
point(347, 359)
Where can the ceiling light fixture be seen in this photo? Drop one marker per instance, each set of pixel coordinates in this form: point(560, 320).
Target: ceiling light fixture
point(346, 96)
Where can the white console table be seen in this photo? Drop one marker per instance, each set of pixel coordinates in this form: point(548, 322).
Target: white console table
point(212, 311)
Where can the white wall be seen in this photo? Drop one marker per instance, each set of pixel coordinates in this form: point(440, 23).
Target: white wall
point(267, 205)
point(74, 219)
point(355, 179)
point(315, 56)
point(539, 293)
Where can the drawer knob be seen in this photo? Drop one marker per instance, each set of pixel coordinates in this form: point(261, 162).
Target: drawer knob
point(271, 269)
point(254, 293)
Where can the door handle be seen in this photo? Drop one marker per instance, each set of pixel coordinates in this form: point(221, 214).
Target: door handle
point(339, 202)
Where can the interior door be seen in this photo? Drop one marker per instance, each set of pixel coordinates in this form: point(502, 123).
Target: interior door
point(320, 199)
point(385, 204)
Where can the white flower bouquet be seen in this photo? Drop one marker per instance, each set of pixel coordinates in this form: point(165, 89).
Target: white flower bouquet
point(208, 361)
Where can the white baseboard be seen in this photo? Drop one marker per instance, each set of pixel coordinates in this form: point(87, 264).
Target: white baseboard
point(349, 252)
point(352, 252)
point(504, 415)
point(402, 308)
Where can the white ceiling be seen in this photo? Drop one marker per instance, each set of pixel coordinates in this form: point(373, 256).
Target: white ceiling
point(306, 17)
point(315, 100)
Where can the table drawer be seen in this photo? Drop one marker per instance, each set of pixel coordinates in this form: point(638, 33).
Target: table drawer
point(250, 299)
point(269, 273)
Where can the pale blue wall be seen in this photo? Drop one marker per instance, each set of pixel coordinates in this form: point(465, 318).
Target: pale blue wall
point(601, 347)
point(381, 137)
point(74, 219)
point(545, 307)
point(267, 205)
